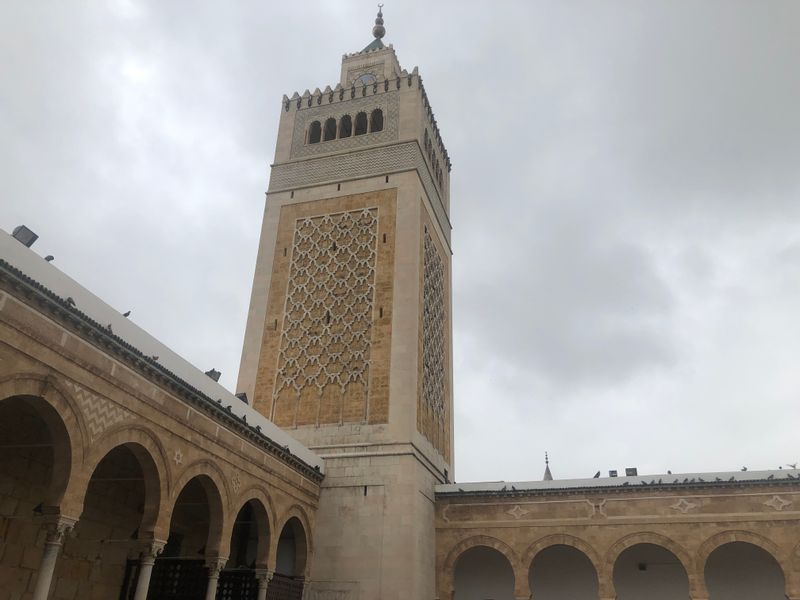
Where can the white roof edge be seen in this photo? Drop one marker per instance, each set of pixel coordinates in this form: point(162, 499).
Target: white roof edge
point(46, 274)
point(639, 481)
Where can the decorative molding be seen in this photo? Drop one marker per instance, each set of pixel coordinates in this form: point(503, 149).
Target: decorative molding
point(777, 503)
point(389, 133)
point(517, 512)
point(100, 413)
point(327, 323)
point(598, 509)
point(684, 506)
point(236, 482)
point(371, 162)
point(178, 457)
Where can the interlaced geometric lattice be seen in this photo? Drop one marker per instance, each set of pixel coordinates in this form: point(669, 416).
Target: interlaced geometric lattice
point(327, 322)
point(434, 342)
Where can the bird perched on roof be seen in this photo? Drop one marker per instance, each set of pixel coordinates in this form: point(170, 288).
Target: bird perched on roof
point(596, 475)
point(49, 258)
point(70, 301)
point(126, 314)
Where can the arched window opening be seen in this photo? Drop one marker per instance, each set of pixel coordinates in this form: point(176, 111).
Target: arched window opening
point(649, 571)
point(330, 129)
point(345, 127)
point(361, 123)
point(314, 133)
point(483, 572)
point(560, 572)
point(740, 571)
point(376, 121)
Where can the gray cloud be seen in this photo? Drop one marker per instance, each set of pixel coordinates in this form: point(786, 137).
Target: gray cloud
point(624, 199)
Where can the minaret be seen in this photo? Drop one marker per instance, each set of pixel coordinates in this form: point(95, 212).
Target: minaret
point(548, 476)
point(348, 340)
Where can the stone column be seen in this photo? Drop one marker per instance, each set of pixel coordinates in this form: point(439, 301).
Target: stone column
point(149, 555)
point(264, 576)
point(56, 531)
point(215, 565)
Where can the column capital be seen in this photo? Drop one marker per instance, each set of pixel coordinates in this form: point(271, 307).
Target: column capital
point(153, 548)
point(215, 564)
point(57, 528)
point(264, 575)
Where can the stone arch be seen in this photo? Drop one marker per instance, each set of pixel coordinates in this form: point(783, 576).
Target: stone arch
point(216, 487)
point(314, 133)
point(471, 542)
point(151, 456)
point(60, 412)
point(780, 557)
point(647, 537)
point(260, 493)
point(345, 126)
point(656, 539)
point(562, 539)
point(726, 537)
point(264, 514)
point(294, 512)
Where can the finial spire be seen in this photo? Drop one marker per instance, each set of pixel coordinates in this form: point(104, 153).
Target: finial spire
point(547, 475)
point(379, 30)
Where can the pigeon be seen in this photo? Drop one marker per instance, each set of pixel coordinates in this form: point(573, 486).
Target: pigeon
point(70, 301)
point(49, 258)
point(126, 314)
point(109, 328)
point(596, 475)
point(154, 357)
point(771, 477)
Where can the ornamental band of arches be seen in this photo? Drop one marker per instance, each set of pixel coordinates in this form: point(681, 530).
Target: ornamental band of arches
point(346, 127)
point(95, 507)
point(729, 565)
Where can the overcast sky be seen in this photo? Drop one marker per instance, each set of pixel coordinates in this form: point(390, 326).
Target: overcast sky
point(625, 200)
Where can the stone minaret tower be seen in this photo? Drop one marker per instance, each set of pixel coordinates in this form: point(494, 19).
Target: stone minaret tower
point(348, 341)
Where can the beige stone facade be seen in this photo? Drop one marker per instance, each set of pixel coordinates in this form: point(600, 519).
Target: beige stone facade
point(107, 457)
point(602, 520)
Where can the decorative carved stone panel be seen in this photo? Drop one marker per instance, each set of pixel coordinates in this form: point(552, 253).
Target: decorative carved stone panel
point(327, 323)
point(433, 418)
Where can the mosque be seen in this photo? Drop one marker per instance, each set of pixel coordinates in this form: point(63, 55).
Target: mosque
point(125, 472)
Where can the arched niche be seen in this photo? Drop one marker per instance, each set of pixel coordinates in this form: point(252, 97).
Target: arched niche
point(35, 466)
point(361, 123)
point(315, 132)
point(292, 551)
point(562, 572)
point(743, 571)
point(650, 571)
point(482, 572)
point(376, 121)
point(250, 537)
point(329, 131)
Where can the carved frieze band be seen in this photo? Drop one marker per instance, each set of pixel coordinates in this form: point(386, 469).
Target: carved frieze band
point(712, 508)
point(358, 164)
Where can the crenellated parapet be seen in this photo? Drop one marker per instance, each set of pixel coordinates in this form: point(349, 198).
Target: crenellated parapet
point(330, 96)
